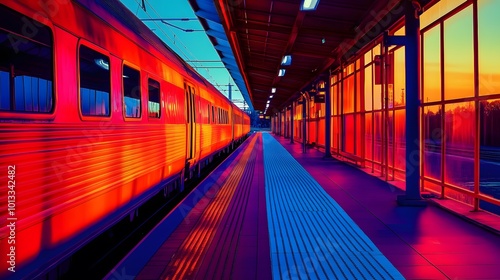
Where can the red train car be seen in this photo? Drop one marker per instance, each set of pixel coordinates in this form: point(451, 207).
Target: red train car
point(97, 115)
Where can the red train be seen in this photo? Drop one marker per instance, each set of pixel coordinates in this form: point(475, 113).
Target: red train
point(97, 115)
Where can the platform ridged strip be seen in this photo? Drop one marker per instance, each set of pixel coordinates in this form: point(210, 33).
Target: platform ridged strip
point(311, 236)
point(188, 258)
point(219, 261)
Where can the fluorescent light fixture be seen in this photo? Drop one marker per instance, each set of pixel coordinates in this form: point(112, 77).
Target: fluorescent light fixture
point(287, 60)
point(273, 90)
point(271, 96)
point(309, 5)
point(281, 73)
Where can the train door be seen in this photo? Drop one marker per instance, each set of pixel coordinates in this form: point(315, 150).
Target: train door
point(191, 120)
point(233, 127)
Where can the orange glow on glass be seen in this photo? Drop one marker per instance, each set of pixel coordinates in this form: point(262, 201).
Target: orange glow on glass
point(432, 65)
point(459, 56)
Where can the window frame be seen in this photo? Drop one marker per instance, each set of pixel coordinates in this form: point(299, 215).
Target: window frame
point(8, 114)
point(156, 80)
point(122, 92)
point(102, 51)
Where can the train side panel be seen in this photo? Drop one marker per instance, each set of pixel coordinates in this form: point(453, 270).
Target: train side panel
point(76, 175)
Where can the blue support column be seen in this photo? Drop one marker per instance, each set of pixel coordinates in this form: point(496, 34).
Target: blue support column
point(279, 123)
point(304, 124)
point(328, 120)
point(291, 123)
point(412, 57)
point(275, 128)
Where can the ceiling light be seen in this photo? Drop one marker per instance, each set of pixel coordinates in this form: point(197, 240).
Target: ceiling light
point(271, 96)
point(268, 101)
point(273, 90)
point(281, 73)
point(309, 5)
point(287, 60)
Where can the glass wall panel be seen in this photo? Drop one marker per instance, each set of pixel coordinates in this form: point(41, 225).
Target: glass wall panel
point(368, 136)
point(433, 133)
point(335, 100)
point(489, 42)
point(336, 133)
point(400, 138)
point(377, 97)
point(399, 77)
point(432, 65)
point(358, 92)
point(349, 133)
point(377, 137)
point(368, 88)
point(459, 144)
point(321, 132)
point(489, 152)
point(459, 196)
point(390, 139)
point(438, 10)
point(348, 94)
point(358, 138)
point(368, 57)
point(459, 56)
point(435, 188)
point(376, 50)
point(312, 133)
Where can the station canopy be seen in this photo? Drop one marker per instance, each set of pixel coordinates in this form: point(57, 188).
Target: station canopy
point(279, 48)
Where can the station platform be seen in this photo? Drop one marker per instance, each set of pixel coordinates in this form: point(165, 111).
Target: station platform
point(272, 212)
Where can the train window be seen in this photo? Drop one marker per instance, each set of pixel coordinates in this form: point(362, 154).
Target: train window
point(26, 64)
point(131, 92)
point(154, 99)
point(208, 121)
point(213, 115)
point(95, 83)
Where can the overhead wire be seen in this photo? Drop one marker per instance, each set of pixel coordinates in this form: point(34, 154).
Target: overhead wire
point(186, 56)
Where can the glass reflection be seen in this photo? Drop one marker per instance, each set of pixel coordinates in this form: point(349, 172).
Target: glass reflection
point(489, 57)
point(349, 133)
point(348, 94)
point(489, 152)
point(399, 77)
point(368, 88)
point(359, 132)
point(377, 149)
point(438, 10)
point(459, 56)
point(459, 144)
point(400, 138)
point(432, 65)
point(433, 133)
point(368, 136)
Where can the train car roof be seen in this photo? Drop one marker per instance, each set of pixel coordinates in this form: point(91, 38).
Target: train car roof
point(123, 15)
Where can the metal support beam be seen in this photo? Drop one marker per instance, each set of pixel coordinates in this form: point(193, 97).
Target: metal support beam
point(305, 96)
point(412, 58)
point(291, 123)
point(328, 119)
